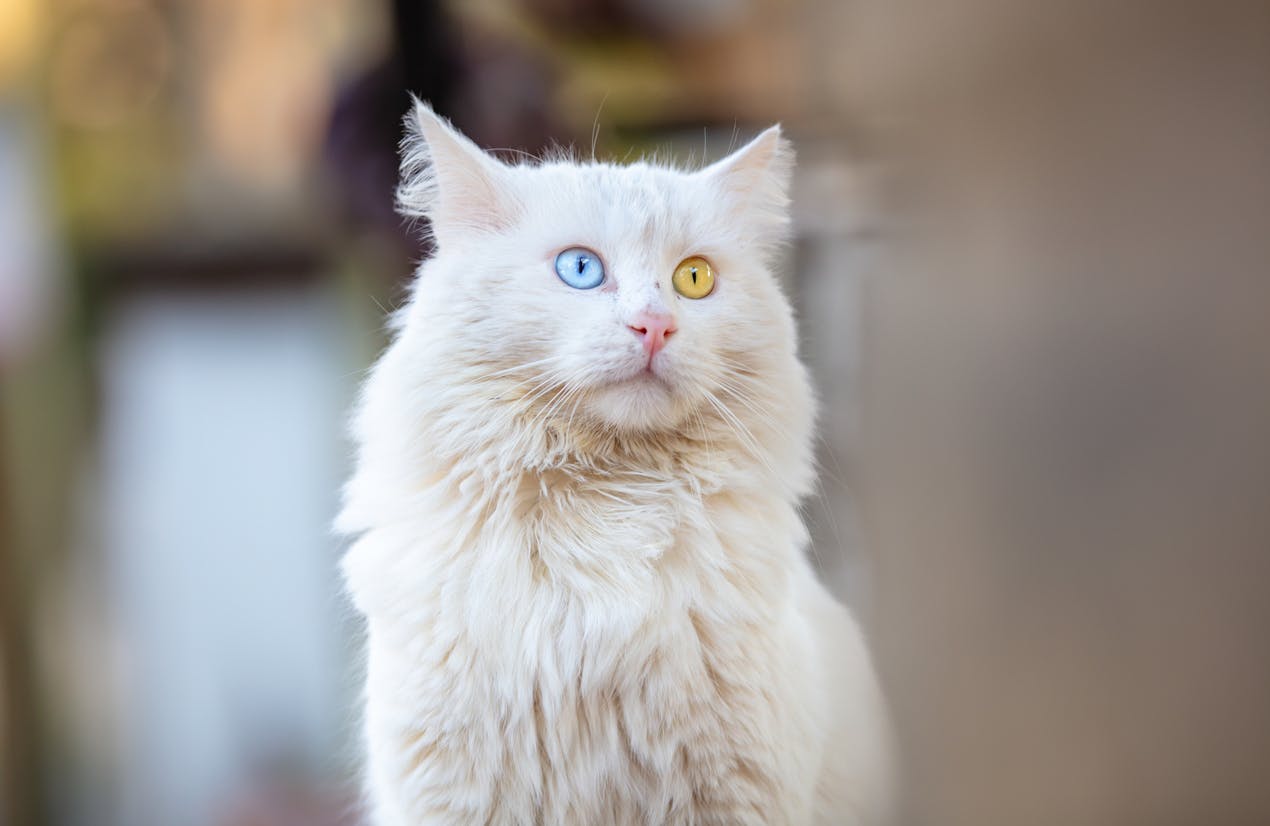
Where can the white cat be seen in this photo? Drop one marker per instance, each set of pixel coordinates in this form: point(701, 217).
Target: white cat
point(579, 549)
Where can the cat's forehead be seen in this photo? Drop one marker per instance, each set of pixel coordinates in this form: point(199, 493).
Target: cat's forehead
point(633, 184)
point(639, 201)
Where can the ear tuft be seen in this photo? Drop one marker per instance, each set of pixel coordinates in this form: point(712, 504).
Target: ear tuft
point(417, 189)
point(755, 179)
point(448, 179)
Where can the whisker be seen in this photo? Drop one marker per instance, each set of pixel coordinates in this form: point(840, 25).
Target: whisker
point(743, 432)
point(524, 366)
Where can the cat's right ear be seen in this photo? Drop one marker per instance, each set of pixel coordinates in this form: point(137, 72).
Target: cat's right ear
point(754, 183)
point(448, 179)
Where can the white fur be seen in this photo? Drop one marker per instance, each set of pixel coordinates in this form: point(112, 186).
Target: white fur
point(585, 589)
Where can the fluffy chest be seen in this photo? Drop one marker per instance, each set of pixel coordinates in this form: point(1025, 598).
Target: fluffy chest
point(535, 568)
point(579, 646)
point(583, 585)
point(584, 715)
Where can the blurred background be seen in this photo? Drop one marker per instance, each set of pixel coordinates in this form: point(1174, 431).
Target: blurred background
point(1032, 267)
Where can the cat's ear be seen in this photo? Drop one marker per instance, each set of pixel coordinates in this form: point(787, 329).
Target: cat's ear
point(448, 179)
point(754, 181)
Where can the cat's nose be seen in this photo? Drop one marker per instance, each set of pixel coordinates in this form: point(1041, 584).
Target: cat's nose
point(653, 329)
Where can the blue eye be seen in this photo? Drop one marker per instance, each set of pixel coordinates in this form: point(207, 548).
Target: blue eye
point(579, 268)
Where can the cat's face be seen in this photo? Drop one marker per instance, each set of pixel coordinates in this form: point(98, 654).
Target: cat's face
point(634, 297)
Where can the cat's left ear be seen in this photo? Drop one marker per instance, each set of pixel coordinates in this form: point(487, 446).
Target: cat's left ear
point(449, 180)
point(754, 180)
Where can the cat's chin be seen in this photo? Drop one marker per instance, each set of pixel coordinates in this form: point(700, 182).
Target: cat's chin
point(642, 402)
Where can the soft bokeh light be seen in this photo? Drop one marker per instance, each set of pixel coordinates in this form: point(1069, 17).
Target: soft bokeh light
point(109, 63)
point(20, 32)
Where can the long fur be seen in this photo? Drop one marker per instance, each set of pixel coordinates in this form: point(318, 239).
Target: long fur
point(586, 595)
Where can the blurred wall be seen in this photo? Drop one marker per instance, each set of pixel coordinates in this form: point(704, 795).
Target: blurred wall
point(1067, 406)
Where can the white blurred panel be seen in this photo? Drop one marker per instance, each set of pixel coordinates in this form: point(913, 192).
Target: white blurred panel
point(222, 450)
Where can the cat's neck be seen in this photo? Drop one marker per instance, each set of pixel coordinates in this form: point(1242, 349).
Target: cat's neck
point(625, 517)
point(701, 455)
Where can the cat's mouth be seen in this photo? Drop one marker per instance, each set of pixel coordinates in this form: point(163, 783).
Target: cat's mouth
point(649, 373)
point(646, 377)
point(638, 397)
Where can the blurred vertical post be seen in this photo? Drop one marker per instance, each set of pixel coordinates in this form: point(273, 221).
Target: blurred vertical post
point(24, 289)
point(1067, 406)
point(18, 738)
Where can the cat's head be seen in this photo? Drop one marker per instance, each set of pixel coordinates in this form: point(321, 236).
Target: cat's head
point(636, 298)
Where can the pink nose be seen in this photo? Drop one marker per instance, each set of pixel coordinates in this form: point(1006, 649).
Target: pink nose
point(653, 329)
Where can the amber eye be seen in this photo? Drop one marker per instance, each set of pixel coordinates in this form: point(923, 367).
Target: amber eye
point(694, 277)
